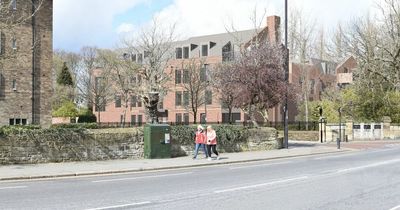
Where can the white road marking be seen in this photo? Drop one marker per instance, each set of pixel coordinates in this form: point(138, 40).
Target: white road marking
point(14, 187)
point(334, 156)
point(368, 166)
point(258, 165)
point(395, 208)
point(140, 177)
point(121, 206)
point(261, 185)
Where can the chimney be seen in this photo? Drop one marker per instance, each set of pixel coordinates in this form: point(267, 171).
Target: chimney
point(273, 24)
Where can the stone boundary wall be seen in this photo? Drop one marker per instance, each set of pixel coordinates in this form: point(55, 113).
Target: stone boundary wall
point(71, 146)
point(65, 145)
point(259, 139)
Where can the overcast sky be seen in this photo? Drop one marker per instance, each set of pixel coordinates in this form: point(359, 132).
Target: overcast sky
point(101, 23)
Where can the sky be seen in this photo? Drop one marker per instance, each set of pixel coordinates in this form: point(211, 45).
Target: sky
point(103, 23)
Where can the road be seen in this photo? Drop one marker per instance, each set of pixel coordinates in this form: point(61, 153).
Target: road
point(368, 179)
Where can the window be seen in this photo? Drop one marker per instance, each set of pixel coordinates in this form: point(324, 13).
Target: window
point(100, 105)
point(346, 70)
point(11, 121)
point(117, 101)
point(14, 43)
point(134, 57)
point(312, 84)
point(14, 4)
point(178, 76)
point(186, 118)
point(146, 54)
point(227, 52)
point(186, 52)
point(14, 85)
point(202, 118)
point(121, 120)
point(140, 119)
point(208, 97)
point(178, 118)
point(186, 98)
point(126, 56)
point(133, 101)
point(139, 101)
point(204, 50)
point(133, 119)
point(178, 52)
point(23, 121)
point(204, 73)
point(140, 58)
point(185, 76)
point(178, 98)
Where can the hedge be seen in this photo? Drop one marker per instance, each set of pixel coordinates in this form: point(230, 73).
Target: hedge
point(226, 134)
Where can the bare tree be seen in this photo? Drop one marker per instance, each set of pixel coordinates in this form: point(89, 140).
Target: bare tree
point(122, 71)
point(152, 49)
point(301, 43)
point(100, 90)
point(88, 63)
point(194, 83)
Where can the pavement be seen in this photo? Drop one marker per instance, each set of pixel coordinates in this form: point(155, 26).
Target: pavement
point(72, 169)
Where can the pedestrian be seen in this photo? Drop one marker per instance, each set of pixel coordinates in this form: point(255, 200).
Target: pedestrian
point(200, 140)
point(211, 142)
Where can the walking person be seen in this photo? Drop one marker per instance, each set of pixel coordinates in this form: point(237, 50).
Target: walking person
point(200, 140)
point(211, 142)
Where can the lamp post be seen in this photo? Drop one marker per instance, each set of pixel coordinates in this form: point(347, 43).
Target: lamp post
point(321, 121)
point(286, 132)
point(338, 140)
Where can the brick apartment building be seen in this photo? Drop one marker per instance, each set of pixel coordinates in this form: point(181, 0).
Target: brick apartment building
point(26, 62)
point(212, 50)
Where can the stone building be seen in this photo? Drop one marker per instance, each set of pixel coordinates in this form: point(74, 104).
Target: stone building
point(26, 62)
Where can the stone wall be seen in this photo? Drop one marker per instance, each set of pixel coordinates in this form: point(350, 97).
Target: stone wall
point(64, 145)
point(258, 139)
point(60, 145)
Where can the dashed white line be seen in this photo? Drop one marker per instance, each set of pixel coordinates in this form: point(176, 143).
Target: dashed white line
point(14, 187)
point(368, 166)
point(258, 165)
point(121, 206)
point(261, 185)
point(395, 208)
point(140, 177)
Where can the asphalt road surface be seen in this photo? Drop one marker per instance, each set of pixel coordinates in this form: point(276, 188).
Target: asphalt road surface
point(368, 179)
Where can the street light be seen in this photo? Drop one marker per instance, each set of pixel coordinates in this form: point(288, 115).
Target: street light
point(338, 140)
point(286, 139)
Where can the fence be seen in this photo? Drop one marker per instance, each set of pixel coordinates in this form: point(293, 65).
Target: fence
point(295, 126)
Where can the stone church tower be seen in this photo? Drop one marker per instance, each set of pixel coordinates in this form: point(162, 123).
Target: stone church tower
point(26, 88)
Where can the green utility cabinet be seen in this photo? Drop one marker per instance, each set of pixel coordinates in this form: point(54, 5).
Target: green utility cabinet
point(157, 141)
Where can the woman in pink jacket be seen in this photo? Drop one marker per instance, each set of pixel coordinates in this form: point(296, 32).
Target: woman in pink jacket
point(211, 142)
point(200, 140)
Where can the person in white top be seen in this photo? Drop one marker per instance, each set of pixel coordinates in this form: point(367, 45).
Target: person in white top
point(211, 142)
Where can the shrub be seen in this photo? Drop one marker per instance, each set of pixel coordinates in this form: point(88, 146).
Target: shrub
point(15, 129)
point(68, 109)
point(76, 125)
point(227, 135)
point(86, 116)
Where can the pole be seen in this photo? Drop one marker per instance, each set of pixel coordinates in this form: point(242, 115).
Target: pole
point(286, 132)
point(338, 140)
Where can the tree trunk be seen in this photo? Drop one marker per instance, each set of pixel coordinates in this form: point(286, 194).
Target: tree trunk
point(194, 117)
point(230, 120)
point(306, 111)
